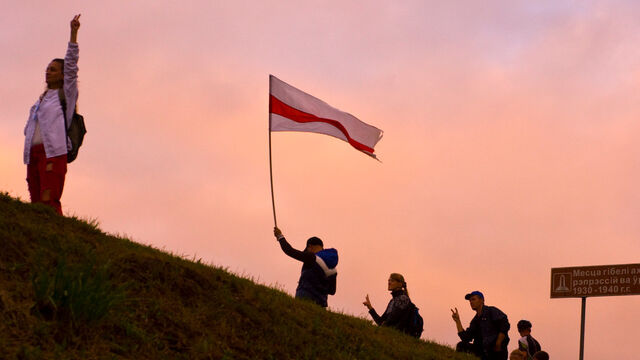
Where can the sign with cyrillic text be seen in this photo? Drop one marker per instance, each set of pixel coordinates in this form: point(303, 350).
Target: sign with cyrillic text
point(587, 281)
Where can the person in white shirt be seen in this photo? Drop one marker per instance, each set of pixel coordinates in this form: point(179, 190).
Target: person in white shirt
point(46, 143)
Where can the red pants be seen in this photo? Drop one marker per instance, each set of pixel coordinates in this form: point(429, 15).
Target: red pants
point(45, 177)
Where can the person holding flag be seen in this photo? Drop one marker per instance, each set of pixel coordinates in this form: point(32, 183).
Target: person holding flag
point(291, 109)
point(318, 275)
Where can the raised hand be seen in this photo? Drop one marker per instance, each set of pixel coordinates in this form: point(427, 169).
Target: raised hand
point(75, 25)
point(367, 303)
point(455, 315)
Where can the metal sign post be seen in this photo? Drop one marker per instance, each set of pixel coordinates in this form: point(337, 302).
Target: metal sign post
point(588, 281)
point(582, 315)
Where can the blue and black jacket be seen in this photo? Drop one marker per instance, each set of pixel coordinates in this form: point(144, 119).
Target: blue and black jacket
point(318, 275)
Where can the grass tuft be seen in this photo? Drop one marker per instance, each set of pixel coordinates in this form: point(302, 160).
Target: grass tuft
point(79, 295)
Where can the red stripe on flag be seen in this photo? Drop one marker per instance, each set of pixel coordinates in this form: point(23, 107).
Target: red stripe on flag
point(279, 108)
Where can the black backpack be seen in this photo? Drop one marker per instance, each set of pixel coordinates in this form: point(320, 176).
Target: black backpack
point(414, 324)
point(76, 130)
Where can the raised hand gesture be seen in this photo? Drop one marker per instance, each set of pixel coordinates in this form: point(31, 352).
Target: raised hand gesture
point(455, 315)
point(367, 303)
point(75, 25)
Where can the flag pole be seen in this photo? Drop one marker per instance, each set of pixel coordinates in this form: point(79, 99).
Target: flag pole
point(273, 202)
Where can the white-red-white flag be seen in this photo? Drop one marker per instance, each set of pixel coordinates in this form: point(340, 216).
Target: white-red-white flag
point(291, 109)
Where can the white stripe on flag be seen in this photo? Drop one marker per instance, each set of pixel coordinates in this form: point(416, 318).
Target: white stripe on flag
point(294, 110)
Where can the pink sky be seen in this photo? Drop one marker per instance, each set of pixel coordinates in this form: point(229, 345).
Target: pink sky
point(510, 147)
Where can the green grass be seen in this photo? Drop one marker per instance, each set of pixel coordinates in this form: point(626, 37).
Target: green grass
point(70, 291)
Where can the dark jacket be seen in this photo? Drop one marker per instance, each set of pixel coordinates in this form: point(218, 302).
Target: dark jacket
point(484, 329)
point(315, 284)
point(532, 345)
point(396, 313)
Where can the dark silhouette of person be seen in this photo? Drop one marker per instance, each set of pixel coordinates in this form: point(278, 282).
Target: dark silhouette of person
point(488, 330)
point(396, 313)
point(318, 274)
point(527, 343)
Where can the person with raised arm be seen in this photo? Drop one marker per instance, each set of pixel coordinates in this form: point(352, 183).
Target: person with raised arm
point(46, 143)
point(397, 312)
point(489, 330)
point(319, 272)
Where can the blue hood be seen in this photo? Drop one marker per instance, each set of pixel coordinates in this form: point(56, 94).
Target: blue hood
point(329, 256)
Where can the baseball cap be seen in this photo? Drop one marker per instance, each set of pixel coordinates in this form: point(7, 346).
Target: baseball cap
point(469, 295)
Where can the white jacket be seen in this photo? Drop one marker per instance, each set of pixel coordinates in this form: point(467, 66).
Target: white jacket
point(48, 111)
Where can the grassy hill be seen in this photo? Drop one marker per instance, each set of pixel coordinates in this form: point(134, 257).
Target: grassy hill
point(70, 291)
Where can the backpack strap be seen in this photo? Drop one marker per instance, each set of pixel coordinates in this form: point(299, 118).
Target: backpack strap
point(63, 104)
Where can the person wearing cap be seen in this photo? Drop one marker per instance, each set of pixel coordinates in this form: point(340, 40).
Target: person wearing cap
point(527, 343)
point(488, 330)
point(396, 313)
point(318, 275)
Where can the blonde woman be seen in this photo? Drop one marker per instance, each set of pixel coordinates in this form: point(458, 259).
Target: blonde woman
point(397, 310)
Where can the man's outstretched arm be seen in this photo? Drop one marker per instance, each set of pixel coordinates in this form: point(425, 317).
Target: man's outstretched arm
point(289, 250)
point(464, 335)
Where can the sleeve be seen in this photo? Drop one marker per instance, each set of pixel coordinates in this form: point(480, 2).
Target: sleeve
point(468, 334)
point(501, 321)
point(71, 79)
point(305, 257)
point(377, 318)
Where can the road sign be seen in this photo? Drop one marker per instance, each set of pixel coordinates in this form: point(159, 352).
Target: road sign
point(587, 281)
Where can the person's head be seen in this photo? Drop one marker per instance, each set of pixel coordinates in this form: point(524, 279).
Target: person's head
point(518, 355)
point(524, 327)
point(541, 355)
point(396, 282)
point(54, 75)
point(476, 299)
point(314, 245)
